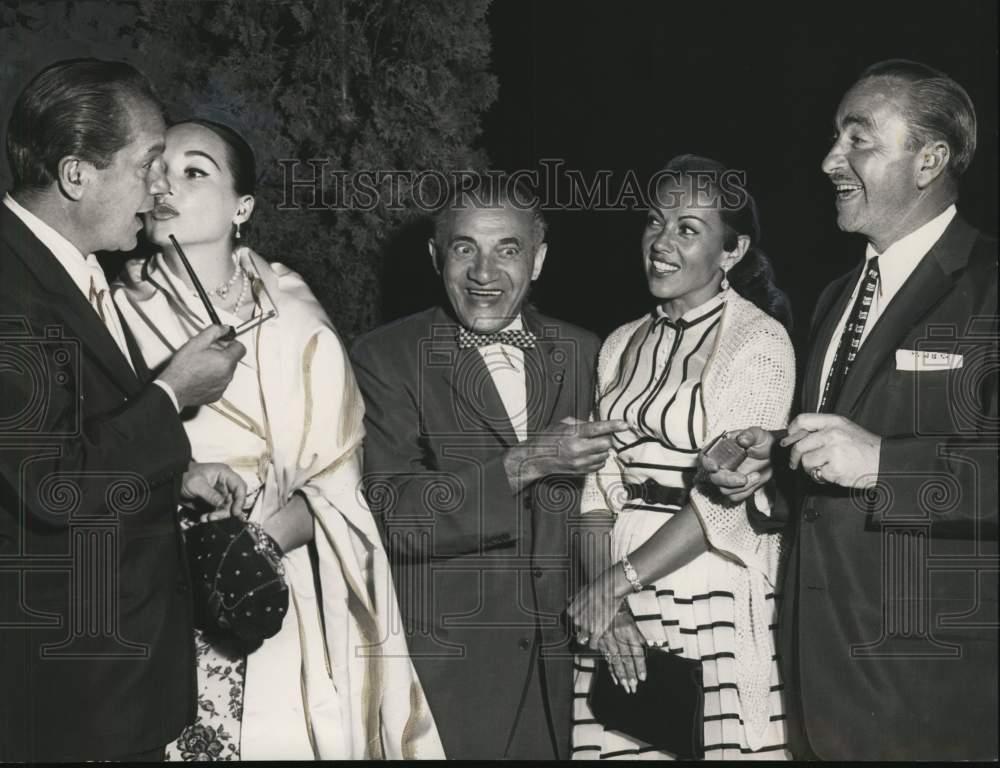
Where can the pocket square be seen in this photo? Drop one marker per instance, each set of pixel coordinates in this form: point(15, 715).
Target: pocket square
point(926, 360)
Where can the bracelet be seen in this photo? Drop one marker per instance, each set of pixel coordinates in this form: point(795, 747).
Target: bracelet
point(631, 575)
point(265, 545)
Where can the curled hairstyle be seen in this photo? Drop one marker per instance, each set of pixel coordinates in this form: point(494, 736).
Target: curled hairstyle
point(488, 190)
point(936, 109)
point(239, 155)
point(752, 276)
point(74, 107)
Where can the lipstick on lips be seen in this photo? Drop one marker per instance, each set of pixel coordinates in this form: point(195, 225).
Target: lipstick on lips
point(163, 211)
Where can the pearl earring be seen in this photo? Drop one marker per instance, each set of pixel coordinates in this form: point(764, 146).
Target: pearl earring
point(237, 230)
point(724, 285)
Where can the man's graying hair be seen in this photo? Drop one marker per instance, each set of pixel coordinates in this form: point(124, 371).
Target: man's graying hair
point(489, 190)
point(73, 107)
point(936, 108)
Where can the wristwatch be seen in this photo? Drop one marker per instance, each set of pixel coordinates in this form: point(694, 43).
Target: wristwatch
point(631, 575)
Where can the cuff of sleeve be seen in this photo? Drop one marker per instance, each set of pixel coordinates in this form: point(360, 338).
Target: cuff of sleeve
point(170, 393)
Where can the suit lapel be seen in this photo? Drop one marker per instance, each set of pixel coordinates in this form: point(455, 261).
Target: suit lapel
point(923, 289)
point(142, 371)
point(81, 320)
point(544, 373)
point(827, 331)
point(463, 372)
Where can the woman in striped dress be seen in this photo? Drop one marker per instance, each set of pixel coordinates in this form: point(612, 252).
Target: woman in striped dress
point(688, 573)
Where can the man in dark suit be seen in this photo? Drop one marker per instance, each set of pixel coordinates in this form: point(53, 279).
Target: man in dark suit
point(890, 605)
point(473, 460)
point(96, 641)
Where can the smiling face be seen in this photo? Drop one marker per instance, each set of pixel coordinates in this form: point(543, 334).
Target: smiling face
point(488, 259)
point(202, 204)
point(124, 190)
point(871, 166)
point(683, 246)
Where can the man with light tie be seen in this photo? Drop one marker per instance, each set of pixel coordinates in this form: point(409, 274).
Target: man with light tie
point(474, 459)
point(889, 622)
point(96, 649)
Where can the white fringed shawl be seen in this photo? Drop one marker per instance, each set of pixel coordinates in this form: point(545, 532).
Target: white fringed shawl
point(370, 704)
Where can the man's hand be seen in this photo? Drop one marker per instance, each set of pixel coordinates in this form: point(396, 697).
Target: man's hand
point(755, 471)
point(832, 449)
point(571, 447)
point(216, 485)
point(200, 371)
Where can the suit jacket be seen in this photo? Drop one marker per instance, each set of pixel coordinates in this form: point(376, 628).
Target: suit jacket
point(891, 615)
point(96, 641)
point(478, 569)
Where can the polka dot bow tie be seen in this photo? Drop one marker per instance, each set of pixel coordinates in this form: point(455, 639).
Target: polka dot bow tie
point(469, 340)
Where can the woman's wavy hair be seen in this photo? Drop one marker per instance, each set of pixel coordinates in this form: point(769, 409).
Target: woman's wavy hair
point(752, 277)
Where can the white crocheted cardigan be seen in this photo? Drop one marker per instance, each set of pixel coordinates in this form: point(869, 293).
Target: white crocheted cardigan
point(748, 380)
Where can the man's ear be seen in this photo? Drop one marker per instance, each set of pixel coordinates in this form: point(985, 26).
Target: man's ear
point(731, 258)
point(539, 260)
point(432, 250)
point(932, 160)
point(73, 176)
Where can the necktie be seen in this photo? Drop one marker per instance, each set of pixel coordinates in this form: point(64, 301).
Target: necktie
point(100, 299)
point(468, 339)
point(850, 339)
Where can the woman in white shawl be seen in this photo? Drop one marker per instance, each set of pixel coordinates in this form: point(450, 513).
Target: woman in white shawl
point(336, 682)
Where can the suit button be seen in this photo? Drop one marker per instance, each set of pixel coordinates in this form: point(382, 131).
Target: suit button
point(811, 514)
point(537, 573)
point(524, 644)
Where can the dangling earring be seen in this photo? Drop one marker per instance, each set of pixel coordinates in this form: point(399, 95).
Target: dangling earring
point(724, 285)
point(237, 230)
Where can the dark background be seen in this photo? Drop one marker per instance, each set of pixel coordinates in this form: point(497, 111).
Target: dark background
point(629, 85)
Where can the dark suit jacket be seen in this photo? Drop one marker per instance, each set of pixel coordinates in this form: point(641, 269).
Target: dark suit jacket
point(477, 568)
point(890, 620)
point(96, 643)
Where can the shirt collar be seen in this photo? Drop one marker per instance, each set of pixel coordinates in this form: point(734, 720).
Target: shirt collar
point(694, 315)
point(517, 324)
point(898, 261)
point(80, 268)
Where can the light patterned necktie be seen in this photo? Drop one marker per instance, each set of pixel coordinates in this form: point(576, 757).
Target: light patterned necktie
point(100, 299)
point(518, 338)
point(850, 339)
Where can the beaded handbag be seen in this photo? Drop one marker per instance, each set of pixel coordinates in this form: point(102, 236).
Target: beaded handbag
point(237, 579)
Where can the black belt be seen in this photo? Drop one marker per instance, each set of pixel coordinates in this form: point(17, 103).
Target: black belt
point(652, 492)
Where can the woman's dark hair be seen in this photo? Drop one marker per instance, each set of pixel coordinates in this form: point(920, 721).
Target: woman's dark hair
point(239, 155)
point(74, 107)
point(752, 277)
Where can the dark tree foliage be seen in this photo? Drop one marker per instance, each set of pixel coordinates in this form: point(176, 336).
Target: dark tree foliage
point(381, 85)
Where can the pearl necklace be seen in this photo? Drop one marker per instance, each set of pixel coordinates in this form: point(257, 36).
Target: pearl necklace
point(223, 290)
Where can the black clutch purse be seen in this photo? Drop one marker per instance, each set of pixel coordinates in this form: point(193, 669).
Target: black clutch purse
point(237, 580)
point(667, 710)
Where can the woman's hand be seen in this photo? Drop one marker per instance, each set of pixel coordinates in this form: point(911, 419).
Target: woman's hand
point(593, 609)
point(624, 648)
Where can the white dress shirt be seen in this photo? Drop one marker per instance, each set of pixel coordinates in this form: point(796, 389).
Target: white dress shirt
point(86, 274)
point(895, 265)
point(506, 366)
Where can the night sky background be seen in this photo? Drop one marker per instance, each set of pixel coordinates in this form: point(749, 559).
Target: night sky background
point(624, 86)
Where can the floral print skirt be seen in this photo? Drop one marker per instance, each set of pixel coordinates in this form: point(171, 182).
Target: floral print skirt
point(215, 733)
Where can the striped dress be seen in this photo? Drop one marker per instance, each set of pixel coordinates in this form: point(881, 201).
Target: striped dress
point(691, 611)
